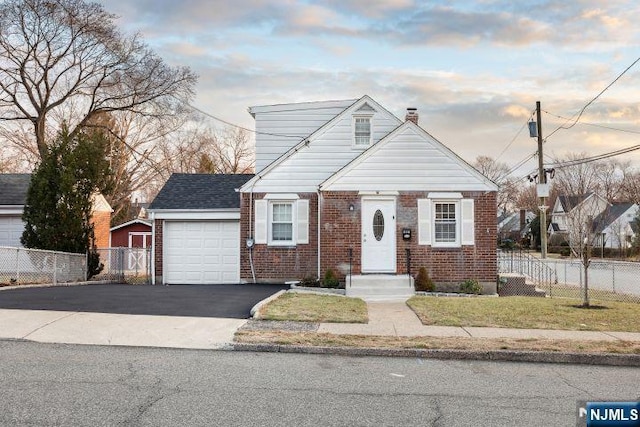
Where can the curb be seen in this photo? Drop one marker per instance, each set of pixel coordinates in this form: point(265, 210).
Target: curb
point(606, 359)
point(256, 308)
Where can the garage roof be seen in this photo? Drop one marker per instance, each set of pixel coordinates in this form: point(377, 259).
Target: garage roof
point(200, 191)
point(13, 188)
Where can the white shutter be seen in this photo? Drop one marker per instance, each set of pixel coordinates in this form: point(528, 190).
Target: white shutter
point(302, 219)
point(424, 221)
point(468, 227)
point(260, 232)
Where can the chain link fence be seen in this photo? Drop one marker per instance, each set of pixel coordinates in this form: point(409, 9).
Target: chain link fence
point(22, 266)
point(608, 280)
point(125, 265)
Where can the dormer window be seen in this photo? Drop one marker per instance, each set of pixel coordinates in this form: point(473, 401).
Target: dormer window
point(362, 131)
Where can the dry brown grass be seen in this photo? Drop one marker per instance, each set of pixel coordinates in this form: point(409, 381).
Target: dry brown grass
point(478, 344)
point(302, 307)
point(527, 313)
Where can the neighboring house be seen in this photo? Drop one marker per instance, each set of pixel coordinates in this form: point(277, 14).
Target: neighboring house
point(567, 210)
point(361, 192)
point(132, 234)
point(13, 195)
point(613, 227)
point(515, 225)
point(196, 229)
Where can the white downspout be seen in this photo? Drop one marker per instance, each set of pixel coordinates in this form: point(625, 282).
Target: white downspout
point(319, 224)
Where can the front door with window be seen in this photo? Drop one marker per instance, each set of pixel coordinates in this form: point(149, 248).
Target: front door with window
point(378, 235)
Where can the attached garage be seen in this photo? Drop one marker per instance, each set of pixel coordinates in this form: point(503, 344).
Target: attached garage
point(201, 252)
point(196, 229)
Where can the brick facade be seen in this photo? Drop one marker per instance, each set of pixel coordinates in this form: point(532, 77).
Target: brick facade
point(278, 264)
point(101, 228)
point(341, 232)
point(158, 250)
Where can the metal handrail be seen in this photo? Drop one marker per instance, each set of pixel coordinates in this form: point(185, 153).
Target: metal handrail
point(541, 274)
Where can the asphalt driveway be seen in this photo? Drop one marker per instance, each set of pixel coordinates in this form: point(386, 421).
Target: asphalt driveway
point(229, 301)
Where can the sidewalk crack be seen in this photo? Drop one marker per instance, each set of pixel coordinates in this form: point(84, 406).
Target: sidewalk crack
point(49, 323)
point(612, 336)
point(467, 332)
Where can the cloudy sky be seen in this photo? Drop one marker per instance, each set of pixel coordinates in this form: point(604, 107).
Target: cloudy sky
point(474, 69)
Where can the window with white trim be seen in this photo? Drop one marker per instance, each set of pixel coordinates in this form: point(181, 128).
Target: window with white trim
point(281, 224)
point(445, 223)
point(361, 131)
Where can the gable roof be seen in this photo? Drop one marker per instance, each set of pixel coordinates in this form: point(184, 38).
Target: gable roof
point(412, 160)
point(133, 221)
point(610, 215)
point(200, 191)
point(570, 202)
point(13, 188)
point(355, 106)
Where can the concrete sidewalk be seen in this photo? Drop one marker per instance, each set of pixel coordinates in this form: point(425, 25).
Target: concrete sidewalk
point(70, 327)
point(397, 319)
point(385, 318)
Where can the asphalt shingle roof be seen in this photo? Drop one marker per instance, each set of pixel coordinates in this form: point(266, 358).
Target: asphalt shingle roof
point(200, 191)
point(13, 188)
point(609, 216)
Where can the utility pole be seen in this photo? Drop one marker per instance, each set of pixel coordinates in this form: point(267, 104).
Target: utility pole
point(542, 179)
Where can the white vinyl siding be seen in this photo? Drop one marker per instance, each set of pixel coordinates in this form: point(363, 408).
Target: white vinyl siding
point(281, 127)
point(446, 223)
point(11, 228)
point(408, 159)
point(325, 154)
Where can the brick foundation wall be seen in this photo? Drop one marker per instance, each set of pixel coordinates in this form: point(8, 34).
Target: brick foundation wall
point(279, 264)
point(158, 251)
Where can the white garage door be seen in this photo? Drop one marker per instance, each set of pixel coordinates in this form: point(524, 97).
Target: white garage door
point(201, 252)
point(11, 228)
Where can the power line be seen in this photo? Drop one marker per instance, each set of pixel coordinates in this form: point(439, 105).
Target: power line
point(582, 110)
point(516, 136)
point(235, 125)
point(595, 158)
point(595, 125)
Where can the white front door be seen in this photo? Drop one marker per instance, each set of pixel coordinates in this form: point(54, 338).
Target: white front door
point(378, 235)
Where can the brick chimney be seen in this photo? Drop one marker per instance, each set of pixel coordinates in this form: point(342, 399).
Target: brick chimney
point(412, 114)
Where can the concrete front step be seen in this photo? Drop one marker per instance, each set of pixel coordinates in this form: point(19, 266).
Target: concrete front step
point(380, 287)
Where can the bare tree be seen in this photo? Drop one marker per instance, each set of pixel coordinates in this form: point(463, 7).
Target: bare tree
point(630, 187)
point(581, 235)
point(498, 172)
point(65, 61)
point(606, 178)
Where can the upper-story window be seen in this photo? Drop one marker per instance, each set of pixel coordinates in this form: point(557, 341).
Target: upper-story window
point(362, 131)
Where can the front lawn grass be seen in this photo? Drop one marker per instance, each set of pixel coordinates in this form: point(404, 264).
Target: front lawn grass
point(476, 344)
point(302, 307)
point(527, 313)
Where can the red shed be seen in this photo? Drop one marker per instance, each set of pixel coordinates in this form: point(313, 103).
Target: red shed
point(133, 234)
